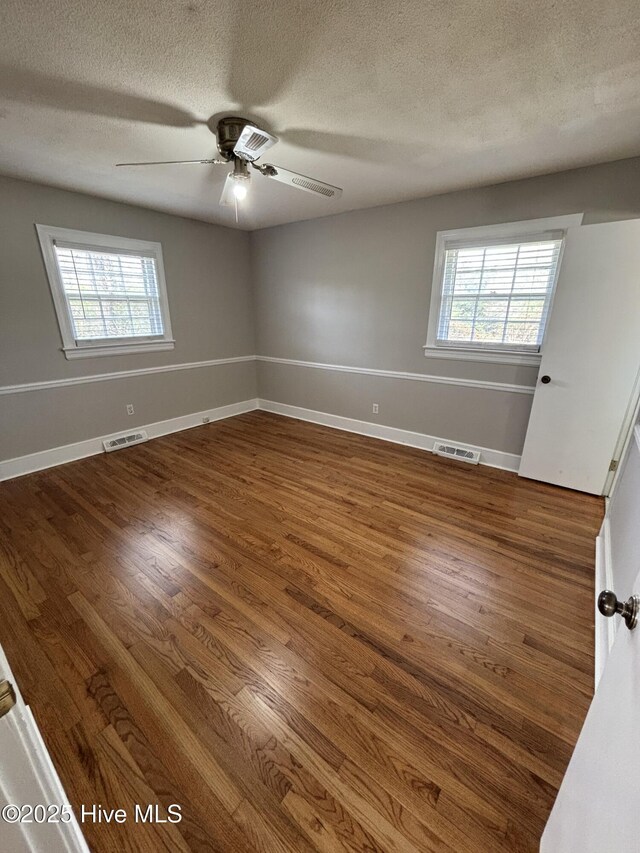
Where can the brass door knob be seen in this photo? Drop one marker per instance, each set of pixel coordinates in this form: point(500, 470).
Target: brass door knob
point(609, 605)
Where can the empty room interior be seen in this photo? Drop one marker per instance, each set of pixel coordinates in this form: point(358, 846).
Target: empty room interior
point(319, 426)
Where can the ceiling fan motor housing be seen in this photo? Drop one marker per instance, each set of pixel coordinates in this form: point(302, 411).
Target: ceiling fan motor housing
point(227, 134)
point(238, 138)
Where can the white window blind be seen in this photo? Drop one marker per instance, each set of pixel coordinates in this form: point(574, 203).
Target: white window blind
point(497, 295)
point(110, 294)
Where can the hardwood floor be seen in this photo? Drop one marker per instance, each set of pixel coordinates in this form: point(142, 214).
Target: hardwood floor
point(309, 640)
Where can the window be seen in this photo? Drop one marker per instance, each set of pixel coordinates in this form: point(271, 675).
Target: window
point(109, 292)
point(493, 288)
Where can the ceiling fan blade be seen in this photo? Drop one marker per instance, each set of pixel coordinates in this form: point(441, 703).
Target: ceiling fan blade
point(301, 182)
point(61, 93)
point(227, 198)
point(268, 49)
point(350, 145)
point(211, 162)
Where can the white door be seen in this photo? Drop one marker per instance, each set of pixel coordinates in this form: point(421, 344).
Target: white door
point(597, 809)
point(590, 357)
point(28, 779)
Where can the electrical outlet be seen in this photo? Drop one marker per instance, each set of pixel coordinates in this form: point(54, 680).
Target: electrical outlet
point(130, 409)
point(376, 408)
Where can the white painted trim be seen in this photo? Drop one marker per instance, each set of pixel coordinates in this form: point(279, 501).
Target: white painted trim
point(11, 468)
point(515, 229)
point(47, 236)
point(628, 431)
point(28, 776)
point(492, 458)
point(21, 465)
point(527, 359)
point(605, 629)
point(120, 374)
point(392, 374)
point(481, 233)
point(118, 349)
point(395, 374)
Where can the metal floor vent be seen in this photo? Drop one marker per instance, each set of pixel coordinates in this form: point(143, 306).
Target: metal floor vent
point(125, 440)
point(454, 451)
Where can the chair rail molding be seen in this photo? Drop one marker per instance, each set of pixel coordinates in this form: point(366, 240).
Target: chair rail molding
point(47, 384)
point(120, 374)
point(399, 374)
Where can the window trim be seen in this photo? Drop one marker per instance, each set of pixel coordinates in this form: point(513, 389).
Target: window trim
point(479, 233)
point(47, 235)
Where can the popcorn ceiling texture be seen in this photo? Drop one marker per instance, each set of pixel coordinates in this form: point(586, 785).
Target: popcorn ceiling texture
point(388, 100)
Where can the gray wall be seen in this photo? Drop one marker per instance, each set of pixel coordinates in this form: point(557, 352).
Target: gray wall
point(351, 289)
point(354, 290)
point(208, 284)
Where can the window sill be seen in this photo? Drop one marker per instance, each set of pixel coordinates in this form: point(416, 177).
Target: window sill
point(523, 358)
point(117, 349)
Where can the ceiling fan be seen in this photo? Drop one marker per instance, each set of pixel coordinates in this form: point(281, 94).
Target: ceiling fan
point(242, 144)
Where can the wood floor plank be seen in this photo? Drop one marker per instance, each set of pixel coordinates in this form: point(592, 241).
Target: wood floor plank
point(155, 704)
point(308, 639)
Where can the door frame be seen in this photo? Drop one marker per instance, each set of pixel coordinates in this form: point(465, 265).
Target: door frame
point(30, 777)
point(626, 436)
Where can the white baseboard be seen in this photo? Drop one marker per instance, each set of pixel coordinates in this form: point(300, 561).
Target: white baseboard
point(492, 458)
point(605, 629)
point(11, 468)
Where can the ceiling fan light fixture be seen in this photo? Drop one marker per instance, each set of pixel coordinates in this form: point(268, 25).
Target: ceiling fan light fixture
point(240, 187)
point(240, 144)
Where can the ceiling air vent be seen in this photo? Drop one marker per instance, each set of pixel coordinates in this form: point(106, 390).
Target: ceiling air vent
point(454, 451)
point(125, 440)
point(253, 142)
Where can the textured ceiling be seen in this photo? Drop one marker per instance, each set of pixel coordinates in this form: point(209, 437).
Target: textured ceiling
point(390, 100)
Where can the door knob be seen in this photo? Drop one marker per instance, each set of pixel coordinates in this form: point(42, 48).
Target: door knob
point(609, 605)
point(545, 380)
